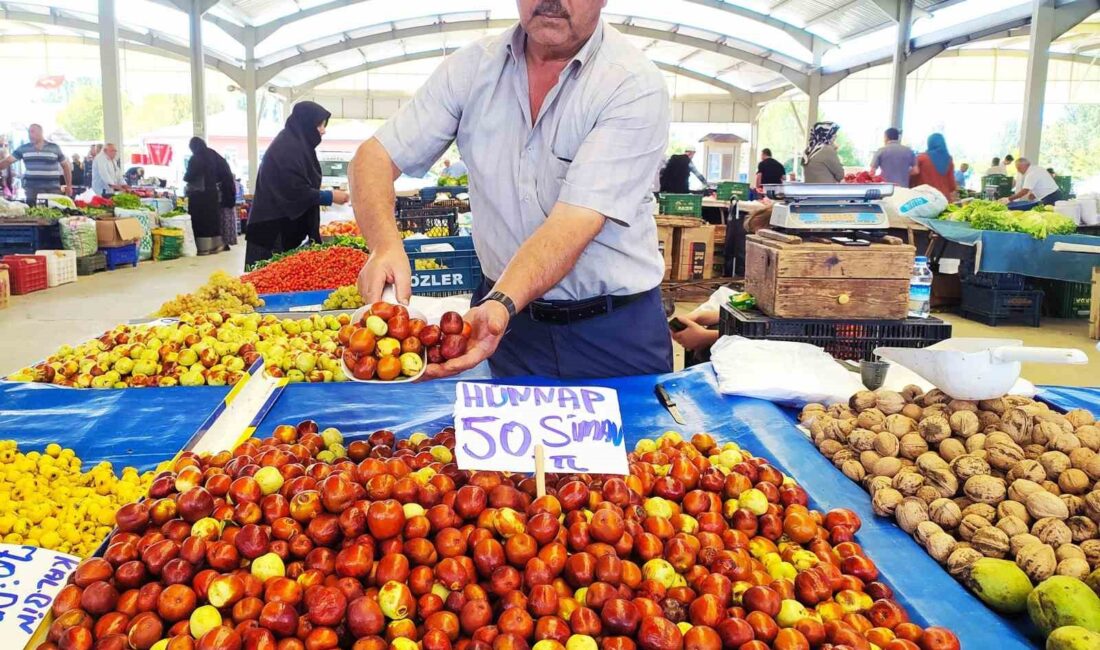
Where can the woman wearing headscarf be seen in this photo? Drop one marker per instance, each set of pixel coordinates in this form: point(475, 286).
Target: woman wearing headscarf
point(227, 204)
point(936, 168)
point(286, 207)
point(203, 198)
point(820, 161)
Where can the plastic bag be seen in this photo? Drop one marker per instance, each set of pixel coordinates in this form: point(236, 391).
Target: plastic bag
point(922, 201)
point(781, 371)
point(78, 234)
point(183, 222)
point(147, 219)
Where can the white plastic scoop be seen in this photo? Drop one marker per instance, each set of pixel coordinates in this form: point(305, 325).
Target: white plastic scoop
point(975, 369)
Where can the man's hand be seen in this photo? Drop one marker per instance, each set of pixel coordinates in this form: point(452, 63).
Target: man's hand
point(385, 267)
point(339, 197)
point(488, 323)
point(694, 337)
point(66, 190)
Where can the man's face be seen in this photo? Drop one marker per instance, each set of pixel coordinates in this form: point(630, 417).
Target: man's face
point(35, 133)
point(1022, 166)
point(690, 154)
point(559, 23)
point(110, 150)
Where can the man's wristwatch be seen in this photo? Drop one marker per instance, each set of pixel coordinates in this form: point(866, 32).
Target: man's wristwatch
point(502, 299)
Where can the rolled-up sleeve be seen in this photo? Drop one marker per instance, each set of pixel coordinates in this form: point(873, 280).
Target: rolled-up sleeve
point(610, 171)
point(422, 130)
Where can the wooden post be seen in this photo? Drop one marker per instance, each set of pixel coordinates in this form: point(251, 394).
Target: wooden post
point(1094, 305)
point(540, 471)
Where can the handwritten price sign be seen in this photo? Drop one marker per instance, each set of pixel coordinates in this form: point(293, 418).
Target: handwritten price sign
point(497, 428)
point(30, 578)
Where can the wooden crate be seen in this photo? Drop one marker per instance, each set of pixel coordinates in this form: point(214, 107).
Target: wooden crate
point(693, 253)
point(719, 250)
point(824, 280)
point(665, 242)
point(1094, 306)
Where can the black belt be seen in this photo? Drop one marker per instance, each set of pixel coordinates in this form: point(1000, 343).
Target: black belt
point(563, 312)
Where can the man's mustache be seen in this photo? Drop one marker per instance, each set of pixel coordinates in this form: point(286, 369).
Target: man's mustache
point(551, 9)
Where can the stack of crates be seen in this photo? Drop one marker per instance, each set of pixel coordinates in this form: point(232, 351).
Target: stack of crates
point(26, 238)
point(681, 205)
point(730, 190)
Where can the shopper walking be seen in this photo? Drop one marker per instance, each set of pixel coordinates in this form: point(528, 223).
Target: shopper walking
point(203, 198)
point(565, 231)
point(895, 160)
point(106, 175)
point(769, 171)
point(936, 168)
point(1037, 185)
point(227, 193)
point(286, 204)
point(820, 161)
point(78, 172)
point(46, 170)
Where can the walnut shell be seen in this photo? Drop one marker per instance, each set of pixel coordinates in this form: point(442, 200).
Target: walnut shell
point(961, 559)
point(868, 458)
point(885, 501)
point(934, 430)
point(1079, 458)
point(1073, 567)
point(1075, 504)
point(936, 410)
point(1066, 551)
point(985, 489)
point(1082, 528)
point(1080, 417)
point(910, 513)
point(991, 542)
point(912, 445)
point(861, 439)
point(1074, 481)
point(943, 480)
point(888, 466)
point(841, 411)
point(886, 443)
point(1013, 526)
point(1019, 489)
point(983, 510)
point(957, 405)
point(908, 482)
point(862, 401)
point(945, 512)
point(1091, 549)
point(951, 449)
point(912, 392)
point(1054, 463)
point(989, 421)
point(1092, 505)
point(1009, 508)
point(1052, 531)
point(940, 546)
point(872, 419)
point(996, 405)
point(888, 401)
point(964, 423)
point(1038, 561)
point(1042, 432)
point(933, 397)
point(843, 456)
point(1020, 541)
point(912, 411)
point(970, 525)
point(931, 460)
point(1089, 435)
point(968, 466)
point(924, 531)
point(875, 483)
point(1041, 503)
point(1051, 486)
point(1064, 442)
point(828, 448)
point(1027, 469)
point(1002, 454)
point(976, 443)
point(927, 493)
point(853, 469)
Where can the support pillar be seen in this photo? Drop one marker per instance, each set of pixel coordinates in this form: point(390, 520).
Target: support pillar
point(109, 75)
point(1042, 33)
point(198, 71)
point(754, 140)
point(904, 18)
point(251, 112)
point(813, 111)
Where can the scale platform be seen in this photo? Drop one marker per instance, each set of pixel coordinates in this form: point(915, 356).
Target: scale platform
point(829, 207)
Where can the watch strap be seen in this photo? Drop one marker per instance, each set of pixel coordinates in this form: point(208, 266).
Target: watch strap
point(503, 299)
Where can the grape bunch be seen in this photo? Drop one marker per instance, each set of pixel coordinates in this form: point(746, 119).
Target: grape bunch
point(429, 265)
point(344, 298)
point(220, 293)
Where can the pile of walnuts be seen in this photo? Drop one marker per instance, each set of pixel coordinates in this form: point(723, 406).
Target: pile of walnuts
point(1003, 478)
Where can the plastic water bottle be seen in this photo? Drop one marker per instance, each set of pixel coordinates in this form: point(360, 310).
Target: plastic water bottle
point(920, 288)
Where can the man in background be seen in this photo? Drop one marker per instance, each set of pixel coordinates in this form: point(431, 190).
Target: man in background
point(106, 173)
point(962, 174)
point(454, 170)
point(44, 164)
point(995, 168)
point(690, 153)
point(896, 160)
point(1037, 184)
point(770, 171)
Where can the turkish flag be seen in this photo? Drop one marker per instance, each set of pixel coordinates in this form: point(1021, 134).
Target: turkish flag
point(52, 82)
point(159, 154)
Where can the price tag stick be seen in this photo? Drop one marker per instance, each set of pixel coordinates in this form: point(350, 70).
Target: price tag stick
point(540, 471)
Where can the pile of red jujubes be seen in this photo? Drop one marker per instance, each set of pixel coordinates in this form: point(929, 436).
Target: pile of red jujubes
point(392, 546)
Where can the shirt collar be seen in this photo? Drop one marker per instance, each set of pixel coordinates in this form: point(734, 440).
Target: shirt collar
point(518, 41)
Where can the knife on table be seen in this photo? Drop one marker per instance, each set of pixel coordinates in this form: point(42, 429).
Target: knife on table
point(669, 404)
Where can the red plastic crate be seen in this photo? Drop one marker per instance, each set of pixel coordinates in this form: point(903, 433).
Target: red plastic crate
point(28, 273)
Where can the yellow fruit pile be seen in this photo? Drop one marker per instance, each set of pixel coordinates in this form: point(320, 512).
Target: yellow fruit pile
point(344, 298)
point(220, 293)
point(428, 265)
point(47, 501)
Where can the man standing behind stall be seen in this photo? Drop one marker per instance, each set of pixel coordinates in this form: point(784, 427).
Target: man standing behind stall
point(106, 173)
point(896, 160)
point(561, 121)
point(44, 166)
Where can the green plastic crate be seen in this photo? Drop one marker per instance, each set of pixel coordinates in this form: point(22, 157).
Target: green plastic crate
point(728, 190)
point(681, 205)
point(1001, 182)
point(1066, 299)
point(1065, 183)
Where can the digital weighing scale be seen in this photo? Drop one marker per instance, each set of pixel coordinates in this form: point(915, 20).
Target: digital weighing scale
point(830, 208)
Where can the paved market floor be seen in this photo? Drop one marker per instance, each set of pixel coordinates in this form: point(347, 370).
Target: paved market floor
point(33, 326)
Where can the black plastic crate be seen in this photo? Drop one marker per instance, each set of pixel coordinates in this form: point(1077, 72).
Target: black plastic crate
point(992, 280)
point(25, 238)
point(90, 264)
point(844, 339)
point(1065, 299)
point(433, 222)
point(996, 306)
point(408, 203)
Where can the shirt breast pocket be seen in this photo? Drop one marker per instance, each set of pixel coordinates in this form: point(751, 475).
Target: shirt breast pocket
point(549, 181)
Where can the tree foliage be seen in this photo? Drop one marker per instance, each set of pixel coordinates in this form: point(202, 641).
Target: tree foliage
point(82, 117)
point(1070, 143)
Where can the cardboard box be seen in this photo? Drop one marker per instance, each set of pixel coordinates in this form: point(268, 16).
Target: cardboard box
point(665, 240)
point(113, 231)
point(693, 254)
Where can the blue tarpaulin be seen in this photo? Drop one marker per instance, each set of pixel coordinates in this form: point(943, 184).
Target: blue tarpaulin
point(930, 594)
point(1068, 398)
point(1013, 252)
point(280, 302)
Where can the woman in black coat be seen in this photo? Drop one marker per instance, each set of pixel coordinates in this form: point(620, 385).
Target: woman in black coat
point(203, 198)
point(286, 208)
